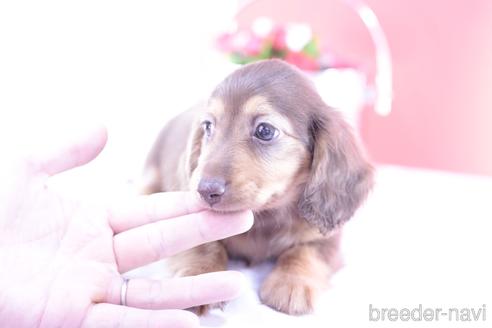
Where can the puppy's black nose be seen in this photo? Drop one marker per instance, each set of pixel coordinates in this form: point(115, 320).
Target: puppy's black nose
point(211, 190)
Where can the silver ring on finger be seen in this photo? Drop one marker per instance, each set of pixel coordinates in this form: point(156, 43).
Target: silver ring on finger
point(124, 288)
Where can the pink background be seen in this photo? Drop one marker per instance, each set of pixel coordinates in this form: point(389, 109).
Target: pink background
point(442, 55)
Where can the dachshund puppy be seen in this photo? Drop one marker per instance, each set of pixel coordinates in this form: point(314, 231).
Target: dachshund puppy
point(266, 141)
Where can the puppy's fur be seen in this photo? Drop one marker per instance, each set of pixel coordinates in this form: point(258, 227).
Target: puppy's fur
point(302, 185)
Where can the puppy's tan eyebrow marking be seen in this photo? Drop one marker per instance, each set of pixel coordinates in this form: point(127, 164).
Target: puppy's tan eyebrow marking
point(208, 117)
point(257, 104)
point(261, 110)
point(215, 106)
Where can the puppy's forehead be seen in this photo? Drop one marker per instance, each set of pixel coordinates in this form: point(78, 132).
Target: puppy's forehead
point(252, 109)
point(287, 90)
point(267, 78)
point(254, 105)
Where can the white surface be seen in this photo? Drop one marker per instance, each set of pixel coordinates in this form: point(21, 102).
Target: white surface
point(423, 237)
point(343, 89)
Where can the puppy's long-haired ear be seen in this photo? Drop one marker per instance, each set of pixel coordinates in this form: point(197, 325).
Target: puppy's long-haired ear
point(340, 176)
point(193, 148)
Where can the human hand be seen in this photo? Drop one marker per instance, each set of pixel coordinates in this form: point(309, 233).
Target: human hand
point(61, 261)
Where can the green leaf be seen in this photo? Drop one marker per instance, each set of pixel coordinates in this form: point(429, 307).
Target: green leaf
point(311, 48)
point(237, 58)
point(266, 51)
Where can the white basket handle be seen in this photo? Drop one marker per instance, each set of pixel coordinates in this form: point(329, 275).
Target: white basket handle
point(383, 81)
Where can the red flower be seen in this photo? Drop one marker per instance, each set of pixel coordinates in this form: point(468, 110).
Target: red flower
point(302, 61)
point(245, 46)
point(244, 42)
point(253, 46)
point(278, 38)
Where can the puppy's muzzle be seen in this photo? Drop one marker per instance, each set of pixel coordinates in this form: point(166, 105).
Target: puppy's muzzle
point(211, 190)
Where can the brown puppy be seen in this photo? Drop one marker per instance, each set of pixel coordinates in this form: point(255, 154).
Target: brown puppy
point(266, 141)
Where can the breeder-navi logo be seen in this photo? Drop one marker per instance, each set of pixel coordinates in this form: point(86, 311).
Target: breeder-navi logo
point(421, 313)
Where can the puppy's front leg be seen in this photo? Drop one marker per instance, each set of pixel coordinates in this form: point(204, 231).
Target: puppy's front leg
point(300, 274)
point(205, 258)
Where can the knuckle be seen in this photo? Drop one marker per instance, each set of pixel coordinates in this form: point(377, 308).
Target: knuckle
point(202, 225)
point(154, 294)
point(151, 207)
point(157, 242)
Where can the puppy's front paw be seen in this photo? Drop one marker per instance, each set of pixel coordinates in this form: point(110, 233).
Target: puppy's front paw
point(206, 308)
point(287, 293)
point(206, 258)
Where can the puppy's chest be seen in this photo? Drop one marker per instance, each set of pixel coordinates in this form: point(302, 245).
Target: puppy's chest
point(269, 237)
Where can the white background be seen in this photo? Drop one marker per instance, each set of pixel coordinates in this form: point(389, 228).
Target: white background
point(423, 237)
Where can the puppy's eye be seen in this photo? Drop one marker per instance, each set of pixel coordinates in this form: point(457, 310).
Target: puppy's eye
point(207, 127)
point(266, 132)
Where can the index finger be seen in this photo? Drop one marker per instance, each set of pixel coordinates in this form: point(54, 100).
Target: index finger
point(146, 209)
point(155, 241)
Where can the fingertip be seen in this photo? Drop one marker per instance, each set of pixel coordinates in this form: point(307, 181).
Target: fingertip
point(97, 135)
point(221, 286)
point(81, 145)
point(237, 280)
point(97, 141)
point(102, 132)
